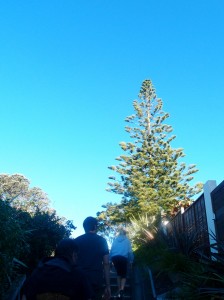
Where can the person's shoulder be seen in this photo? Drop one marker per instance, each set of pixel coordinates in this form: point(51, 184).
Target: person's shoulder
point(101, 239)
point(88, 237)
point(80, 237)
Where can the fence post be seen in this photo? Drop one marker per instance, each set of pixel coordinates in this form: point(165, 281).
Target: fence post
point(209, 186)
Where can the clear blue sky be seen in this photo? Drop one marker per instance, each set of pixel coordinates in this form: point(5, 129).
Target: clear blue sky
point(69, 72)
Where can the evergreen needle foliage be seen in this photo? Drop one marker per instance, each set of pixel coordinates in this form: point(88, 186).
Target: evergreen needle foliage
point(151, 176)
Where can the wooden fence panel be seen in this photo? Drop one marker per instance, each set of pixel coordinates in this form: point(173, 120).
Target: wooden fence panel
point(194, 221)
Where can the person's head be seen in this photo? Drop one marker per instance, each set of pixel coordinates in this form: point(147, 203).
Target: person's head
point(90, 224)
point(68, 249)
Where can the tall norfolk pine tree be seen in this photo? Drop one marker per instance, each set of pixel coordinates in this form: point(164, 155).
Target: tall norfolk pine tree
point(151, 178)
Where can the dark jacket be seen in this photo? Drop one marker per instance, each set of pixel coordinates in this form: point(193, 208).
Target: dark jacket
point(57, 275)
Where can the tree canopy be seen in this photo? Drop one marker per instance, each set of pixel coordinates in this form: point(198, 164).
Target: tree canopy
point(16, 190)
point(151, 175)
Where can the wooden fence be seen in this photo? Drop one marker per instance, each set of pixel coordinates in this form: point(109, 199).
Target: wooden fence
point(198, 219)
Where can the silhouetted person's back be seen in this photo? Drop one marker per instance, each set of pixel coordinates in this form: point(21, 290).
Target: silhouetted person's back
point(58, 275)
point(94, 258)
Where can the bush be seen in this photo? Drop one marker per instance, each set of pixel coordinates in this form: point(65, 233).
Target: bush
point(25, 239)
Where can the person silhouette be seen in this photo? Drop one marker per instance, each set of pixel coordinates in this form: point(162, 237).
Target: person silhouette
point(58, 277)
point(94, 258)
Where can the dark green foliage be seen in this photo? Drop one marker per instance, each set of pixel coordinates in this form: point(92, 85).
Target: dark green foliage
point(45, 230)
point(167, 262)
point(210, 283)
point(12, 242)
point(29, 229)
point(180, 267)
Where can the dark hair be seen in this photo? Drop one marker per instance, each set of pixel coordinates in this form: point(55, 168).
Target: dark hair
point(66, 248)
point(90, 224)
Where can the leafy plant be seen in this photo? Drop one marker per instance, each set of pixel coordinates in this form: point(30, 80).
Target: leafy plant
point(213, 275)
point(25, 237)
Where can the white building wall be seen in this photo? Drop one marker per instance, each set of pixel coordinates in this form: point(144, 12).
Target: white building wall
point(209, 186)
